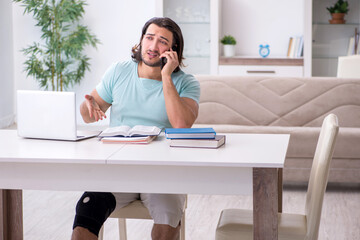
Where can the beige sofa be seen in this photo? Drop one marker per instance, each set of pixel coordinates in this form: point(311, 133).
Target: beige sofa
point(288, 105)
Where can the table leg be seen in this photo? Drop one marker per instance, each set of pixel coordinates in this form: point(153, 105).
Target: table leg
point(265, 203)
point(11, 217)
point(280, 189)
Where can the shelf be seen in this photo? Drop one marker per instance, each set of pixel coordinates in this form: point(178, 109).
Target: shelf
point(197, 56)
point(325, 57)
point(279, 61)
point(201, 23)
point(338, 25)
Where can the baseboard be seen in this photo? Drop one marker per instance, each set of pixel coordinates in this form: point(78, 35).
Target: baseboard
point(7, 121)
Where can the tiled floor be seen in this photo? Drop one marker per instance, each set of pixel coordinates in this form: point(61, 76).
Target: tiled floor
point(49, 215)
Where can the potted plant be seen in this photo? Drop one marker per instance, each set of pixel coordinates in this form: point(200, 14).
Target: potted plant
point(338, 11)
point(229, 43)
point(58, 62)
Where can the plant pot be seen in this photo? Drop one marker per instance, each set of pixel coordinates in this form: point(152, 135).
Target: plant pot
point(337, 18)
point(229, 50)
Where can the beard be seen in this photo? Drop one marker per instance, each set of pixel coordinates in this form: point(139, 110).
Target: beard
point(148, 63)
point(155, 64)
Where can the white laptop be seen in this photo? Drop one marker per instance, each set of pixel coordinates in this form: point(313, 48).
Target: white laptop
point(48, 115)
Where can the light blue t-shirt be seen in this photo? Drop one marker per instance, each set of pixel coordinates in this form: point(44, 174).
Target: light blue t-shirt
point(140, 101)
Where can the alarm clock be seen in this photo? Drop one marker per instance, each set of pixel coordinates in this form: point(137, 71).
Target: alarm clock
point(264, 50)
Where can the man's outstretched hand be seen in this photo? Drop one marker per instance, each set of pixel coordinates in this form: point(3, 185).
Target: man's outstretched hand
point(93, 108)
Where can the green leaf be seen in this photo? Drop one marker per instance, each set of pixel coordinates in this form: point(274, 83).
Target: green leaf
point(339, 7)
point(63, 39)
point(228, 39)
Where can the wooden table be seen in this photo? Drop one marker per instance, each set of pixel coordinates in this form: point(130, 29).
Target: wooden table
point(247, 164)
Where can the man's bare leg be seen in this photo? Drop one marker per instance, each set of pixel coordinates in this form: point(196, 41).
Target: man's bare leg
point(165, 232)
point(80, 233)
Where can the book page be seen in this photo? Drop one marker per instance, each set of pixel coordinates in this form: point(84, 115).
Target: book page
point(144, 130)
point(125, 139)
point(139, 140)
point(113, 131)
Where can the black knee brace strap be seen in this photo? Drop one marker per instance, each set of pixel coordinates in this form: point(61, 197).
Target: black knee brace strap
point(93, 209)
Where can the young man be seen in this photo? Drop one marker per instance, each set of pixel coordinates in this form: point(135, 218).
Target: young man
point(141, 92)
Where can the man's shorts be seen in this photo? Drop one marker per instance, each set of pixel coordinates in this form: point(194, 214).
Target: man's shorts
point(94, 208)
point(163, 208)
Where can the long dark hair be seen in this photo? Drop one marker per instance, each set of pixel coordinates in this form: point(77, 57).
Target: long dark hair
point(178, 40)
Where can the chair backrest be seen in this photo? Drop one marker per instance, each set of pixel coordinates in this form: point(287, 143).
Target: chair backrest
point(319, 175)
point(348, 67)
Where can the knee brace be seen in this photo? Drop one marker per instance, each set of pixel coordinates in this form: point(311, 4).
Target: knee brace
point(93, 209)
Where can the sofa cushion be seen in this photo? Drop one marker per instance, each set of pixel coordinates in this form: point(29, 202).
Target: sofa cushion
point(303, 140)
point(275, 101)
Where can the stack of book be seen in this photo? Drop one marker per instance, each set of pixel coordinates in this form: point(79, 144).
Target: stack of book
point(353, 47)
point(125, 134)
point(194, 137)
point(296, 47)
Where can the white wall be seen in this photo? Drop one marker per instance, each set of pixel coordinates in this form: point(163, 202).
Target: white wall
point(257, 22)
point(6, 65)
point(116, 23)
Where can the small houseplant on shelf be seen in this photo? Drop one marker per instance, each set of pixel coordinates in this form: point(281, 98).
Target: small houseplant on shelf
point(338, 12)
point(58, 62)
point(229, 43)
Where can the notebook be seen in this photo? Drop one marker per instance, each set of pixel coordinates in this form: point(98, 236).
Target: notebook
point(198, 133)
point(48, 115)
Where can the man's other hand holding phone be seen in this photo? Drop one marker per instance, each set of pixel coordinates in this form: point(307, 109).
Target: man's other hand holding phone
point(169, 62)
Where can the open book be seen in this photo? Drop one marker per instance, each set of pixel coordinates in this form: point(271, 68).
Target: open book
point(137, 140)
point(126, 131)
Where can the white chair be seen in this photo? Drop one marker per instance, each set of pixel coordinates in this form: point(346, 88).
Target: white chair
point(136, 210)
point(238, 223)
point(349, 67)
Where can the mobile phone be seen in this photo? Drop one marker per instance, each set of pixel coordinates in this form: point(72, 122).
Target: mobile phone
point(164, 60)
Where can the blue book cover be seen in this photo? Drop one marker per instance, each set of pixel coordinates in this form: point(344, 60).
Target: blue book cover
point(201, 133)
